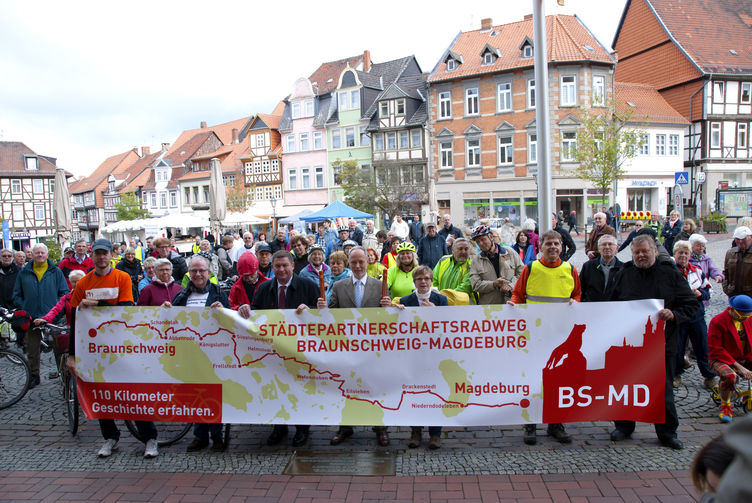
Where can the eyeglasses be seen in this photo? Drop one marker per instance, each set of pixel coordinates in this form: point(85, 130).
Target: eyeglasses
point(163, 246)
point(198, 271)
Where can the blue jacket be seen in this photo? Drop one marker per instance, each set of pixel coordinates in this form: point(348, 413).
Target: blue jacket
point(214, 295)
point(309, 273)
point(412, 300)
point(529, 253)
point(431, 249)
point(38, 297)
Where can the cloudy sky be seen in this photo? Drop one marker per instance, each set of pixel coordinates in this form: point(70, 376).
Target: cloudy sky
point(84, 80)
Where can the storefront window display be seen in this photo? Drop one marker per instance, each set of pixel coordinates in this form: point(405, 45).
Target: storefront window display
point(475, 209)
point(507, 208)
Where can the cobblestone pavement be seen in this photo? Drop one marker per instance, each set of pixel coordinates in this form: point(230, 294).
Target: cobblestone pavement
point(34, 440)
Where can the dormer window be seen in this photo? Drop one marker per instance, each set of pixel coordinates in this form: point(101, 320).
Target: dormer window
point(384, 109)
point(451, 65)
point(32, 163)
point(488, 58)
point(400, 107)
point(527, 51)
point(490, 54)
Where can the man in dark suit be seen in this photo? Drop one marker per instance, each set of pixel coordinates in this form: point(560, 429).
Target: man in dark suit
point(359, 290)
point(417, 230)
point(286, 291)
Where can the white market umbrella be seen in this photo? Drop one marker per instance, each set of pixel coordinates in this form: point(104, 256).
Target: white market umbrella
point(62, 207)
point(217, 197)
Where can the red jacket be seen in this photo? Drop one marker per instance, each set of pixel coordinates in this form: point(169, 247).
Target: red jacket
point(62, 305)
point(238, 297)
point(723, 339)
point(70, 264)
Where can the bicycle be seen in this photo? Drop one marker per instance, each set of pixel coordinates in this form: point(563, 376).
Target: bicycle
point(15, 371)
point(57, 337)
point(740, 398)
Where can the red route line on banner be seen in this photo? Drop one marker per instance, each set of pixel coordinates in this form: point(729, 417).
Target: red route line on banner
point(332, 376)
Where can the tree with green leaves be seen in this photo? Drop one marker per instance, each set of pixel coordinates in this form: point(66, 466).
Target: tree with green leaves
point(391, 189)
point(605, 140)
point(239, 197)
point(129, 207)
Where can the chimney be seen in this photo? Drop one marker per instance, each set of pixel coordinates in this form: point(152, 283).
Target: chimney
point(165, 147)
point(145, 151)
point(528, 17)
point(366, 61)
point(486, 23)
point(203, 124)
point(234, 135)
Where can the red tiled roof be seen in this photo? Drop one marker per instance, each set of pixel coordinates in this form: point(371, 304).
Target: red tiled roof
point(326, 76)
point(137, 173)
point(113, 164)
point(12, 160)
point(648, 104)
point(229, 160)
point(223, 132)
point(270, 120)
point(181, 153)
point(708, 30)
point(279, 109)
point(566, 36)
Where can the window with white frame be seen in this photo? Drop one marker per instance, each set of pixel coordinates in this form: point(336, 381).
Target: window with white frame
point(275, 165)
point(568, 91)
point(378, 141)
point(391, 141)
point(277, 192)
point(206, 193)
point(248, 168)
point(296, 110)
point(290, 143)
point(531, 93)
point(745, 96)
point(349, 136)
point(365, 138)
point(660, 144)
point(32, 163)
point(645, 144)
point(471, 101)
point(304, 143)
point(673, 144)
point(259, 193)
point(715, 135)
point(308, 108)
point(174, 199)
point(446, 154)
point(718, 91)
point(268, 192)
point(15, 186)
point(336, 139)
point(741, 135)
point(319, 176)
point(292, 179)
point(18, 213)
point(473, 152)
point(305, 178)
point(163, 199)
point(187, 199)
point(527, 51)
point(598, 137)
point(488, 58)
point(318, 143)
point(355, 99)
point(451, 65)
point(568, 145)
point(39, 211)
point(532, 147)
point(384, 109)
point(337, 174)
point(343, 100)
point(153, 199)
point(504, 97)
point(599, 90)
point(257, 167)
point(260, 140)
point(416, 138)
point(36, 185)
point(400, 108)
point(349, 100)
point(445, 105)
point(265, 166)
point(52, 186)
point(506, 150)
point(404, 140)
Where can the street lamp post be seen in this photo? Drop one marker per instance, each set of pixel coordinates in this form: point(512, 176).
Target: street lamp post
point(273, 200)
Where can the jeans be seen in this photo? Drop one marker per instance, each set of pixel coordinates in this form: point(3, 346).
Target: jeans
point(202, 431)
point(697, 332)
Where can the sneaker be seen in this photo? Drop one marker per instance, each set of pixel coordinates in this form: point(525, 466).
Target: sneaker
point(677, 381)
point(558, 431)
point(725, 412)
point(151, 450)
point(106, 450)
point(434, 443)
point(709, 383)
point(415, 437)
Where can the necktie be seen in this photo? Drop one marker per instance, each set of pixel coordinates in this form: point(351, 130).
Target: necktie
point(281, 301)
point(358, 293)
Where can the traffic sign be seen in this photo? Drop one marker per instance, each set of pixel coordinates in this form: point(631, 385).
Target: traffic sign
point(701, 176)
point(681, 178)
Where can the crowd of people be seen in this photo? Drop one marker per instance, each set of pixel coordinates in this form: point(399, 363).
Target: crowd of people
point(425, 264)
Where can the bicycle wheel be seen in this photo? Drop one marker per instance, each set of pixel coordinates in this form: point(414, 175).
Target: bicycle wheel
point(168, 433)
point(15, 377)
point(71, 401)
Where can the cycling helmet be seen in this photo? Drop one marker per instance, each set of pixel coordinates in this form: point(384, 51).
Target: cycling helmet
point(349, 242)
point(406, 246)
point(481, 230)
point(247, 263)
point(343, 228)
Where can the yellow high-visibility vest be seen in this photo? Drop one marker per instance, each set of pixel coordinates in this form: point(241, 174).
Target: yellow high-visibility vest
point(549, 284)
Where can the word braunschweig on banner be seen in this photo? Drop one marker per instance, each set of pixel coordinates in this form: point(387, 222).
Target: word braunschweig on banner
point(456, 366)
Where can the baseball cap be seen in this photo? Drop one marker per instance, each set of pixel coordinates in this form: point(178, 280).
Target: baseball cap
point(430, 224)
point(742, 232)
point(261, 247)
point(101, 244)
